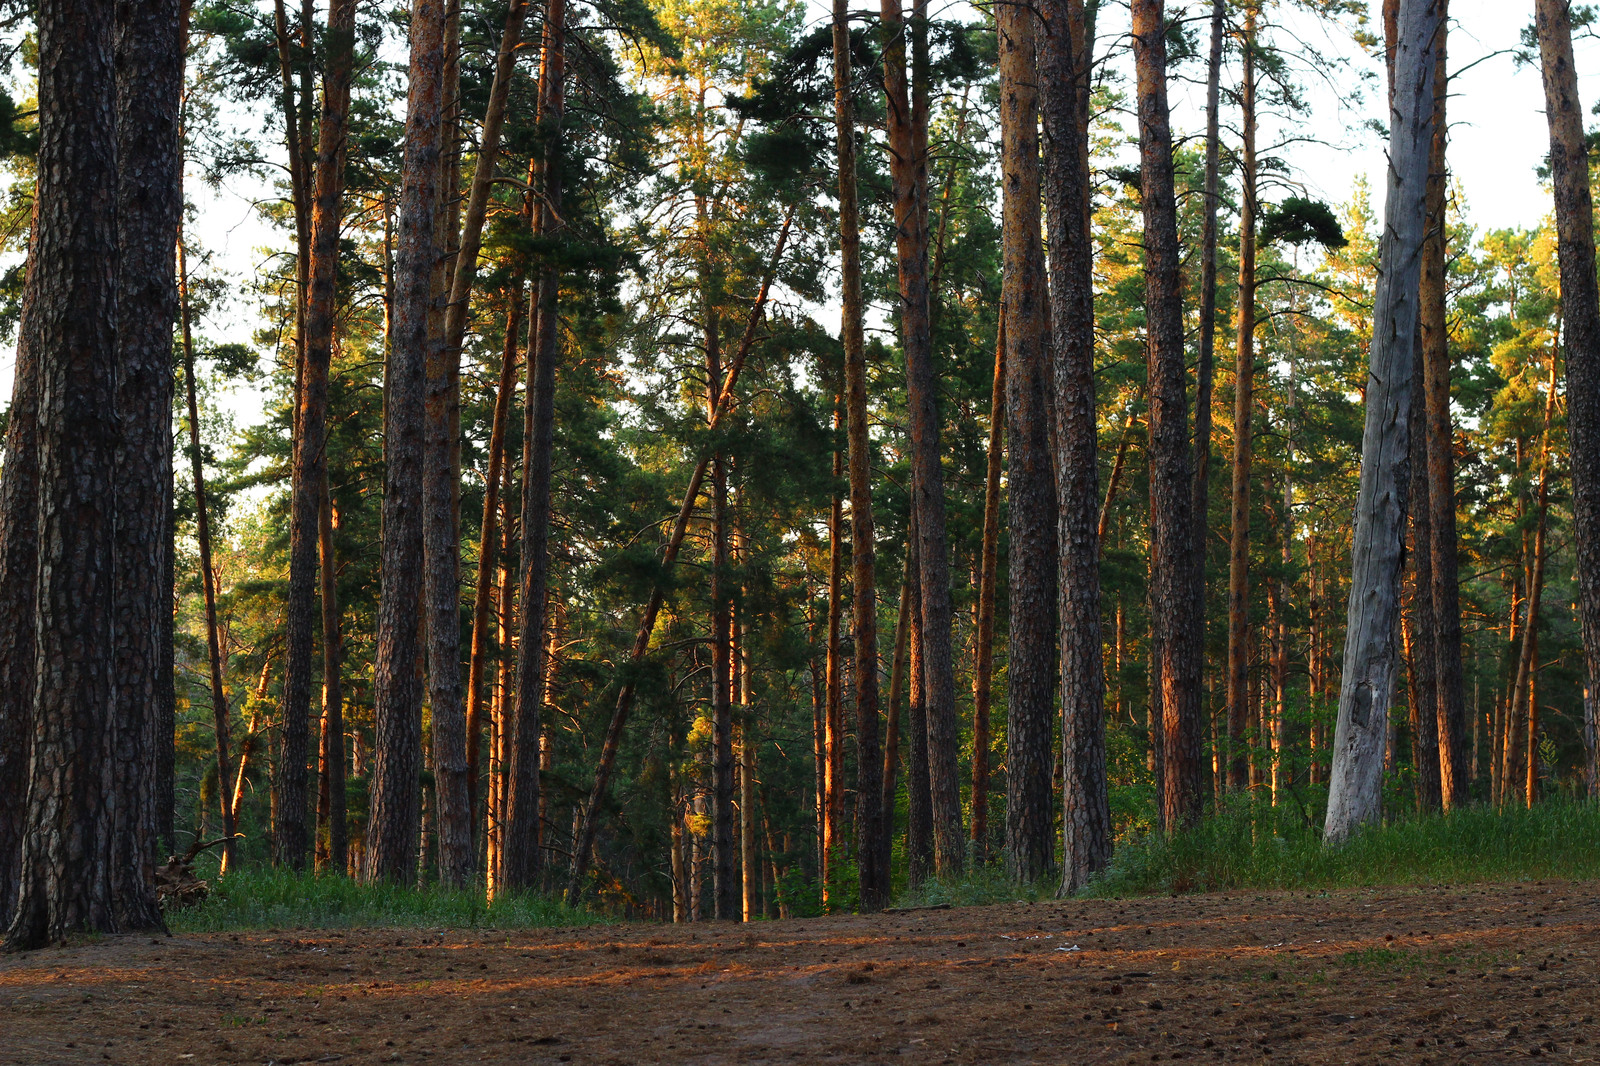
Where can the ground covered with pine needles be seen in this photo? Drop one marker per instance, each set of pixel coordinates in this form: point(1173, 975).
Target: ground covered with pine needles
point(1441, 974)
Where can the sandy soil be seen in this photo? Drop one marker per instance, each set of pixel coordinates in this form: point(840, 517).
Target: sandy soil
point(1487, 974)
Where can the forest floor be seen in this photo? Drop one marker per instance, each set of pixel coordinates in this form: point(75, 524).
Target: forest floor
point(1485, 974)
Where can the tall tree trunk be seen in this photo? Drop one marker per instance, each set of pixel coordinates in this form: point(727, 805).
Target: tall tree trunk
point(590, 823)
point(872, 836)
point(891, 738)
point(1205, 368)
point(1580, 310)
point(1455, 773)
point(489, 543)
point(1367, 685)
point(311, 418)
point(523, 854)
point(919, 797)
point(1243, 421)
point(1424, 635)
point(1524, 707)
point(1066, 59)
point(988, 568)
point(208, 574)
point(907, 122)
point(397, 685)
point(75, 874)
point(1171, 490)
point(749, 850)
point(1033, 515)
point(833, 709)
point(724, 885)
point(441, 487)
point(290, 839)
point(149, 85)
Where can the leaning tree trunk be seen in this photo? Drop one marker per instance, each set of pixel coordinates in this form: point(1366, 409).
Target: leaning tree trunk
point(1377, 550)
point(1065, 63)
point(1455, 768)
point(396, 810)
point(1243, 435)
point(872, 839)
point(1032, 575)
point(73, 874)
point(1580, 312)
point(522, 857)
point(1171, 498)
point(907, 126)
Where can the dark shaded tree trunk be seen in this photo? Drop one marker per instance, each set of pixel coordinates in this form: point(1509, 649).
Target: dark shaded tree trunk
point(833, 691)
point(907, 123)
point(1205, 368)
point(82, 866)
point(1455, 772)
point(872, 835)
point(333, 842)
point(1031, 481)
point(1580, 311)
point(919, 798)
point(396, 810)
point(1065, 68)
point(891, 733)
point(983, 625)
point(522, 854)
point(1377, 552)
point(1171, 490)
point(1419, 622)
point(1243, 432)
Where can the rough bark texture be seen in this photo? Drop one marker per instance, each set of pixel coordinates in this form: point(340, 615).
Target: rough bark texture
point(907, 122)
point(522, 855)
point(1244, 373)
point(1423, 633)
point(75, 851)
point(1580, 311)
point(1455, 769)
point(1171, 499)
point(872, 837)
point(1030, 478)
point(1367, 685)
point(19, 566)
point(396, 810)
point(919, 799)
point(1065, 67)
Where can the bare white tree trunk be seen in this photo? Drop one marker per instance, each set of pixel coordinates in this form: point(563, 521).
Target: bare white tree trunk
point(1355, 788)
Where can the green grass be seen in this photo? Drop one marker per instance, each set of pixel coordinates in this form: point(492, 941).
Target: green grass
point(977, 887)
point(260, 899)
point(1262, 848)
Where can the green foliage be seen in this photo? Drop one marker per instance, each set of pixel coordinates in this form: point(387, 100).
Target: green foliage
point(274, 899)
point(976, 887)
point(1259, 847)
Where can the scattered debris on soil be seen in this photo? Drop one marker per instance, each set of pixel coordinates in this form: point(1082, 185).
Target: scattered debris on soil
point(1482, 974)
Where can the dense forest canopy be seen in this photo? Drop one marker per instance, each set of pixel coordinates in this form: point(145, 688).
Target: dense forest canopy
point(727, 458)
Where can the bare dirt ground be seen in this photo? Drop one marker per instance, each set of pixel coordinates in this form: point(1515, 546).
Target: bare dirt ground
point(1485, 974)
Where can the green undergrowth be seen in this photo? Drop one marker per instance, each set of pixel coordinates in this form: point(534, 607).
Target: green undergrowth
point(1249, 846)
point(264, 899)
point(1263, 848)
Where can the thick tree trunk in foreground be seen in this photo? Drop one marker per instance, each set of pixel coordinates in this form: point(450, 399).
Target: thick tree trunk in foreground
point(397, 685)
point(1171, 491)
point(908, 131)
point(1377, 552)
point(523, 857)
point(1580, 312)
point(1455, 770)
point(872, 839)
point(75, 874)
point(1244, 373)
point(1065, 66)
point(1031, 481)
